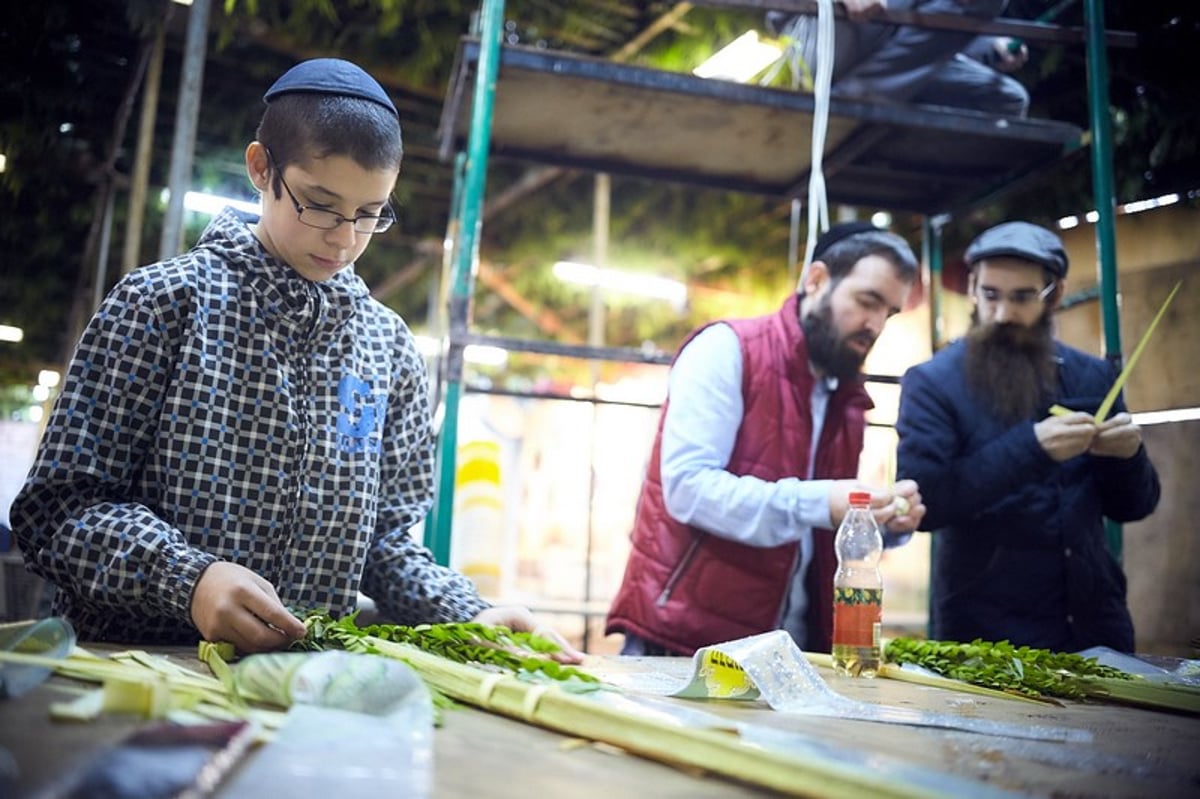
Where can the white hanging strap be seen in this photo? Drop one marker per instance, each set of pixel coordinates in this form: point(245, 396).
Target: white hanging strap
point(800, 32)
point(818, 204)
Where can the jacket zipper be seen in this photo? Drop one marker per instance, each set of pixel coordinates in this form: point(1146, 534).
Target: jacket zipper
point(301, 357)
point(678, 571)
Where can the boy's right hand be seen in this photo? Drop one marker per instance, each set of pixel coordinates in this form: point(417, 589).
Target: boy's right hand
point(232, 603)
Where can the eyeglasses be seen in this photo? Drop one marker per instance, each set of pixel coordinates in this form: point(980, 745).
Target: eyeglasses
point(1020, 297)
point(324, 219)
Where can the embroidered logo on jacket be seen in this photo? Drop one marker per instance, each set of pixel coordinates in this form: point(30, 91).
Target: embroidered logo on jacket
point(360, 422)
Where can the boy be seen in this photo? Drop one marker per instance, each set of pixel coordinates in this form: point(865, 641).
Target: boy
point(243, 429)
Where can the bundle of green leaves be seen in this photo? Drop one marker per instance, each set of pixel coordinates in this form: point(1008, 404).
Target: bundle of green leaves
point(463, 642)
point(1000, 665)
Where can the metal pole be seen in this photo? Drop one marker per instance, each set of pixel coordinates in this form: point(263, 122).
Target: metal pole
point(131, 252)
point(1106, 204)
point(478, 142)
point(184, 145)
point(794, 243)
point(101, 287)
point(601, 193)
point(931, 256)
point(440, 327)
point(601, 213)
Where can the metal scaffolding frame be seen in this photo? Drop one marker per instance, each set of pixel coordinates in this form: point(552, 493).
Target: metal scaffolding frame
point(484, 64)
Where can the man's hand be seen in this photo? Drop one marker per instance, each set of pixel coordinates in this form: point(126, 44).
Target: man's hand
point(519, 619)
point(904, 510)
point(1118, 437)
point(858, 10)
point(1064, 437)
point(232, 603)
point(1011, 54)
point(900, 508)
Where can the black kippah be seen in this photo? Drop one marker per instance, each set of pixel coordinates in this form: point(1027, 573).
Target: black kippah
point(841, 231)
point(330, 76)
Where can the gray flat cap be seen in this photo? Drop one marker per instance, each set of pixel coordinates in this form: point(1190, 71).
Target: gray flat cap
point(1020, 240)
point(330, 76)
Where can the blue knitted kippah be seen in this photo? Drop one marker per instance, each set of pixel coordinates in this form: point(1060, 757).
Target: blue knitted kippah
point(330, 76)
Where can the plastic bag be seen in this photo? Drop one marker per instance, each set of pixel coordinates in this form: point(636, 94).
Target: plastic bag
point(53, 637)
point(359, 725)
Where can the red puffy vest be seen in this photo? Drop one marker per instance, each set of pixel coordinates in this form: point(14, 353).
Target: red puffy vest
point(685, 588)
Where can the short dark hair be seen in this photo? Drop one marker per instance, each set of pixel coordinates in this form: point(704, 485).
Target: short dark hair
point(301, 126)
point(841, 256)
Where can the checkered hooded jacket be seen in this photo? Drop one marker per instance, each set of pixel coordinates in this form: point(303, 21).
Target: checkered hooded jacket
point(221, 407)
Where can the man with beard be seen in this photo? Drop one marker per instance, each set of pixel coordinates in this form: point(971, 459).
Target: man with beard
point(1017, 495)
point(755, 458)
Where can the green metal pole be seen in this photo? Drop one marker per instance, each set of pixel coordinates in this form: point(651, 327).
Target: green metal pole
point(1106, 204)
point(440, 325)
point(478, 143)
point(931, 256)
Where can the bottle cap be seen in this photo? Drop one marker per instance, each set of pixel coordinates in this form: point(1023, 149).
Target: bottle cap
point(860, 498)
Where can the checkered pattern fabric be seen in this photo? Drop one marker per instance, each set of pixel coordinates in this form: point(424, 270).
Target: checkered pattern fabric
point(221, 407)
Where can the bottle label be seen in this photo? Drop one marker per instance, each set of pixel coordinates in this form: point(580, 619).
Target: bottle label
point(857, 613)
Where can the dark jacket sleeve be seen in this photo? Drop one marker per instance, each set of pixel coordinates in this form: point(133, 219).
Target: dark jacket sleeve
point(74, 519)
point(1130, 486)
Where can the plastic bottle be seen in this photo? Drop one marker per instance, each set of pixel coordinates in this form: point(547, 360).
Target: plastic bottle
point(857, 591)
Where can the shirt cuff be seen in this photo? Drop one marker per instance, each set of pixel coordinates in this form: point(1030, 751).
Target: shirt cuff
point(811, 507)
point(179, 572)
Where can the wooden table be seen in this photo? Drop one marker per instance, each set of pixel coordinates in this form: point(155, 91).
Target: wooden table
point(1133, 753)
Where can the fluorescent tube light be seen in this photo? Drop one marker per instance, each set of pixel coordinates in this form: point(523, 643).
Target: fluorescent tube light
point(211, 204)
point(642, 285)
point(1137, 206)
point(740, 60)
point(1161, 417)
point(482, 354)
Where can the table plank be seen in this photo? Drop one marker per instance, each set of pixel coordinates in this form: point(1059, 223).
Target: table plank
point(1134, 752)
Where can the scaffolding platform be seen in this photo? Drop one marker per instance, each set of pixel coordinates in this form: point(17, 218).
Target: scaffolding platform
point(582, 112)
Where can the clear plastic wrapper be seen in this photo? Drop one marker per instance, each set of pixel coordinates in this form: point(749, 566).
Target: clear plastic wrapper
point(358, 725)
point(52, 637)
point(772, 667)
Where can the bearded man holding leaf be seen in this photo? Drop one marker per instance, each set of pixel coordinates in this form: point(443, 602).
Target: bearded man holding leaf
point(1016, 489)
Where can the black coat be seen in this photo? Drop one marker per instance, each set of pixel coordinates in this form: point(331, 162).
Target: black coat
point(1019, 551)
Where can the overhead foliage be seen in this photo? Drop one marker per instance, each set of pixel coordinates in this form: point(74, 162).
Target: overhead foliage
point(64, 65)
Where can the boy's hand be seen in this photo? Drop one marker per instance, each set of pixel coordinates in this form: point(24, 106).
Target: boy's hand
point(232, 603)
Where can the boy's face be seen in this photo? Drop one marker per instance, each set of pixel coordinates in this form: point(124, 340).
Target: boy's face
point(335, 183)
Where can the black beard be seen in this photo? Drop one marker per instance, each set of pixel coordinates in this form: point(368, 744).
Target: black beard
point(1010, 368)
point(827, 350)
